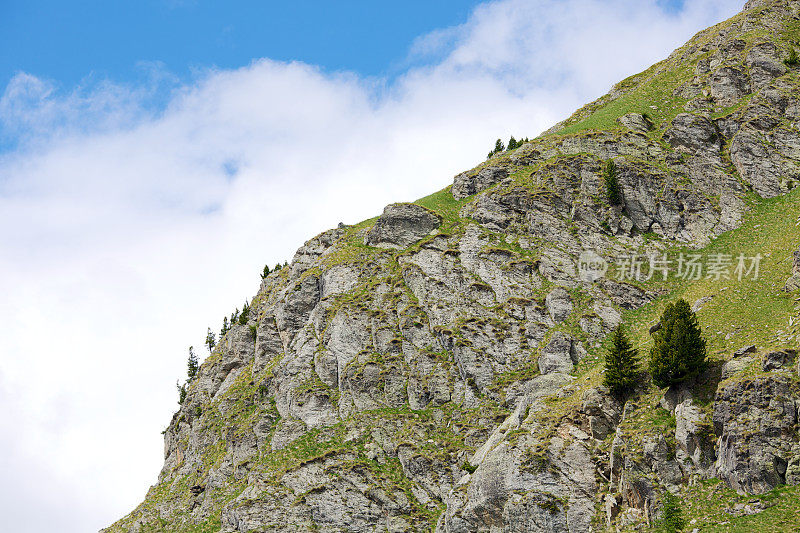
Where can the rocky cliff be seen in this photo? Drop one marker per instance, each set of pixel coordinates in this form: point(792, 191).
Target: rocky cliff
point(439, 368)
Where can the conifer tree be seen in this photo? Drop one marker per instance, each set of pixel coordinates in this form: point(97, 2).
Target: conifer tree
point(512, 144)
point(679, 349)
point(622, 364)
point(613, 192)
point(498, 146)
point(211, 340)
point(181, 392)
point(265, 272)
point(225, 327)
point(245, 314)
point(192, 365)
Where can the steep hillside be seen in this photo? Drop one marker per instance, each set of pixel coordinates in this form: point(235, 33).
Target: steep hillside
point(440, 367)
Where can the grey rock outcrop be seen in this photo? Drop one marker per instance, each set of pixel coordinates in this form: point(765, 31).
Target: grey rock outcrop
point(469, 183)
point(635, 122)
point(693, 133)
point(560, 354)
point(559, 304)
point(778, 360)
point(756, 420)
point(401, 225)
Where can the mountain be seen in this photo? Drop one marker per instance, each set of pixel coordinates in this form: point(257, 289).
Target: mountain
point(440, 367)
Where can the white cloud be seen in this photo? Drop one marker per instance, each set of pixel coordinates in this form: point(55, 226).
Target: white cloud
point(126, 231)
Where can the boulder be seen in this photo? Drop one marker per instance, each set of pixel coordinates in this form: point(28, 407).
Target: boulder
point(401, 225)
point(625, 295)
point(560, 354)
point(559, 304)
point(745, 350)
point(778, 360)
point(635, 122)
point(734, 366)
point(469, 183)
point(693, 133)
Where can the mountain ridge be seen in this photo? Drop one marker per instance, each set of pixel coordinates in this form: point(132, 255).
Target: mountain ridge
point(439, 367)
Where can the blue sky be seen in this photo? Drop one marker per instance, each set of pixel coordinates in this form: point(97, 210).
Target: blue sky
point(68, 41)
point(154, 155)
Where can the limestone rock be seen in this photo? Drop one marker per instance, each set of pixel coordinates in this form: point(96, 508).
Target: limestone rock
point(693, 133)
point(559, 304)
point(728, 85)
point(778, 360)
point(734, 366)
point(635, 122)
point(756, 421)
point(469, 183)
point(560, 354)
point(401, 225)
point(602, 410)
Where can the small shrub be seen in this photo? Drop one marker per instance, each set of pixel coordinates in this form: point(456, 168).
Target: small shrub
point(672, 519)
point(793, 59)
point(253, 329)
point(468, 467)
point(622, 364)
point(679, 349)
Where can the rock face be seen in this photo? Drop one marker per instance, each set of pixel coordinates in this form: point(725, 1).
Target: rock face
point(401, 225)
point(757, 423)
point(439, 369)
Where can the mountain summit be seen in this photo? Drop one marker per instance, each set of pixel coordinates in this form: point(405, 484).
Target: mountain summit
point(441, 367)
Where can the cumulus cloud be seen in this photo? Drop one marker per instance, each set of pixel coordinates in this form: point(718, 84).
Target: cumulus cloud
point(129, 227)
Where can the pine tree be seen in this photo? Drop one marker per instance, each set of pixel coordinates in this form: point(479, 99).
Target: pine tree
point(225, 327)
point(235, 317)
point(622, 364)
point(245, 314)
point(181, 392)
point(192, 365)
point(613, 192)
point(679, 349)
point(498, 146)
point(265, 272)
point(512, 144)
point(211, 340)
